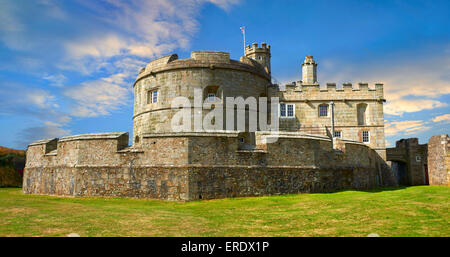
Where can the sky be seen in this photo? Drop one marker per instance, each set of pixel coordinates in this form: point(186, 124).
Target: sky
point(68, 67)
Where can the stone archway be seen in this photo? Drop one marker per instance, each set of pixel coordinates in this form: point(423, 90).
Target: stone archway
point(400, 170)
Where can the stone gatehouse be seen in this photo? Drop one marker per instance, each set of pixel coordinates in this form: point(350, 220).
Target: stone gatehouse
point(329, 138)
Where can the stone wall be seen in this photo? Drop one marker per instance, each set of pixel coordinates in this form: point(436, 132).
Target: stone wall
point(409, 162)
point(190, 166)
point(439, 160)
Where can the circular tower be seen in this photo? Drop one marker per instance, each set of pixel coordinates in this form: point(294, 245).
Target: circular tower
point(211, 73)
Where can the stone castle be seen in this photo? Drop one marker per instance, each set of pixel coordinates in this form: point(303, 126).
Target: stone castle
point(329, 138)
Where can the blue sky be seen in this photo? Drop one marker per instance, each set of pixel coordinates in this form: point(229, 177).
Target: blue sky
point(67, 67)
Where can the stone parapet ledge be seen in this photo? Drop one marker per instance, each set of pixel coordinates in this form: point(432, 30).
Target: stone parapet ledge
point(94, 136)
point(42, 141)
point(285, 134)
point(219, 133)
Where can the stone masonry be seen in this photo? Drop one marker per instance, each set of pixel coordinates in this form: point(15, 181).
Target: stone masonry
point(439, 160)
point(409, 162)
point(309, 153)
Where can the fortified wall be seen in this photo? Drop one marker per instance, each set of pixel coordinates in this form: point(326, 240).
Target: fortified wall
point(192, 166)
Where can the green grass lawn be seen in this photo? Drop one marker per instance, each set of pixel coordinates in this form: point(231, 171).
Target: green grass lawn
point(411, 211)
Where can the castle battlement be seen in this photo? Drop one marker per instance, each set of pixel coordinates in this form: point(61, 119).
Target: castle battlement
point(93, 148)
point(264, 48)
point(259, 54)
point(330, 91)
point(211, 56)
point(160, 62)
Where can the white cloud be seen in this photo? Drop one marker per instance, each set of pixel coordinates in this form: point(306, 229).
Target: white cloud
point(35, 106)
point(40, 98)
point(106, 46)
point(442, 118)
point(407, 127)
point(99, 97)
point(140, 28)
point(57, 80)
point(224, 4)
point(400, 106)
point(31, 134)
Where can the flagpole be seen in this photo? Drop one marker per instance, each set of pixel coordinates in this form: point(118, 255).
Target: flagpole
point(243, 33)
point(244, 41)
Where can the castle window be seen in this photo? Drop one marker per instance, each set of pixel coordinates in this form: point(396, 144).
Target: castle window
point(212, 94)
point(282, 110)
point(152, 96)
point(323, 110)
point(290, 110)
point(338, 134)
point(366, 136)
point(287, 110)
point(211, 97)
point(361, 113)
point(155, 96)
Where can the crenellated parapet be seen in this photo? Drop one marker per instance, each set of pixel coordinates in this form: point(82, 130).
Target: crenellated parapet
point(255, 48)
point(160, 62)
point(260, 54)
point(311, 92)
point(211, 56)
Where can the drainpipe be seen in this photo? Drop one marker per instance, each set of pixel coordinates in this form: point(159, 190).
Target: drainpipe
point(332, 118)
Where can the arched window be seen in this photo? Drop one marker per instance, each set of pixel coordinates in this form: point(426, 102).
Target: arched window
point(211, 94)
point(361, 113)
point(323, 110)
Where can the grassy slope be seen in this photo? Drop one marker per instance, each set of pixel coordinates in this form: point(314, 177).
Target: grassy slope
point(412, 211)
